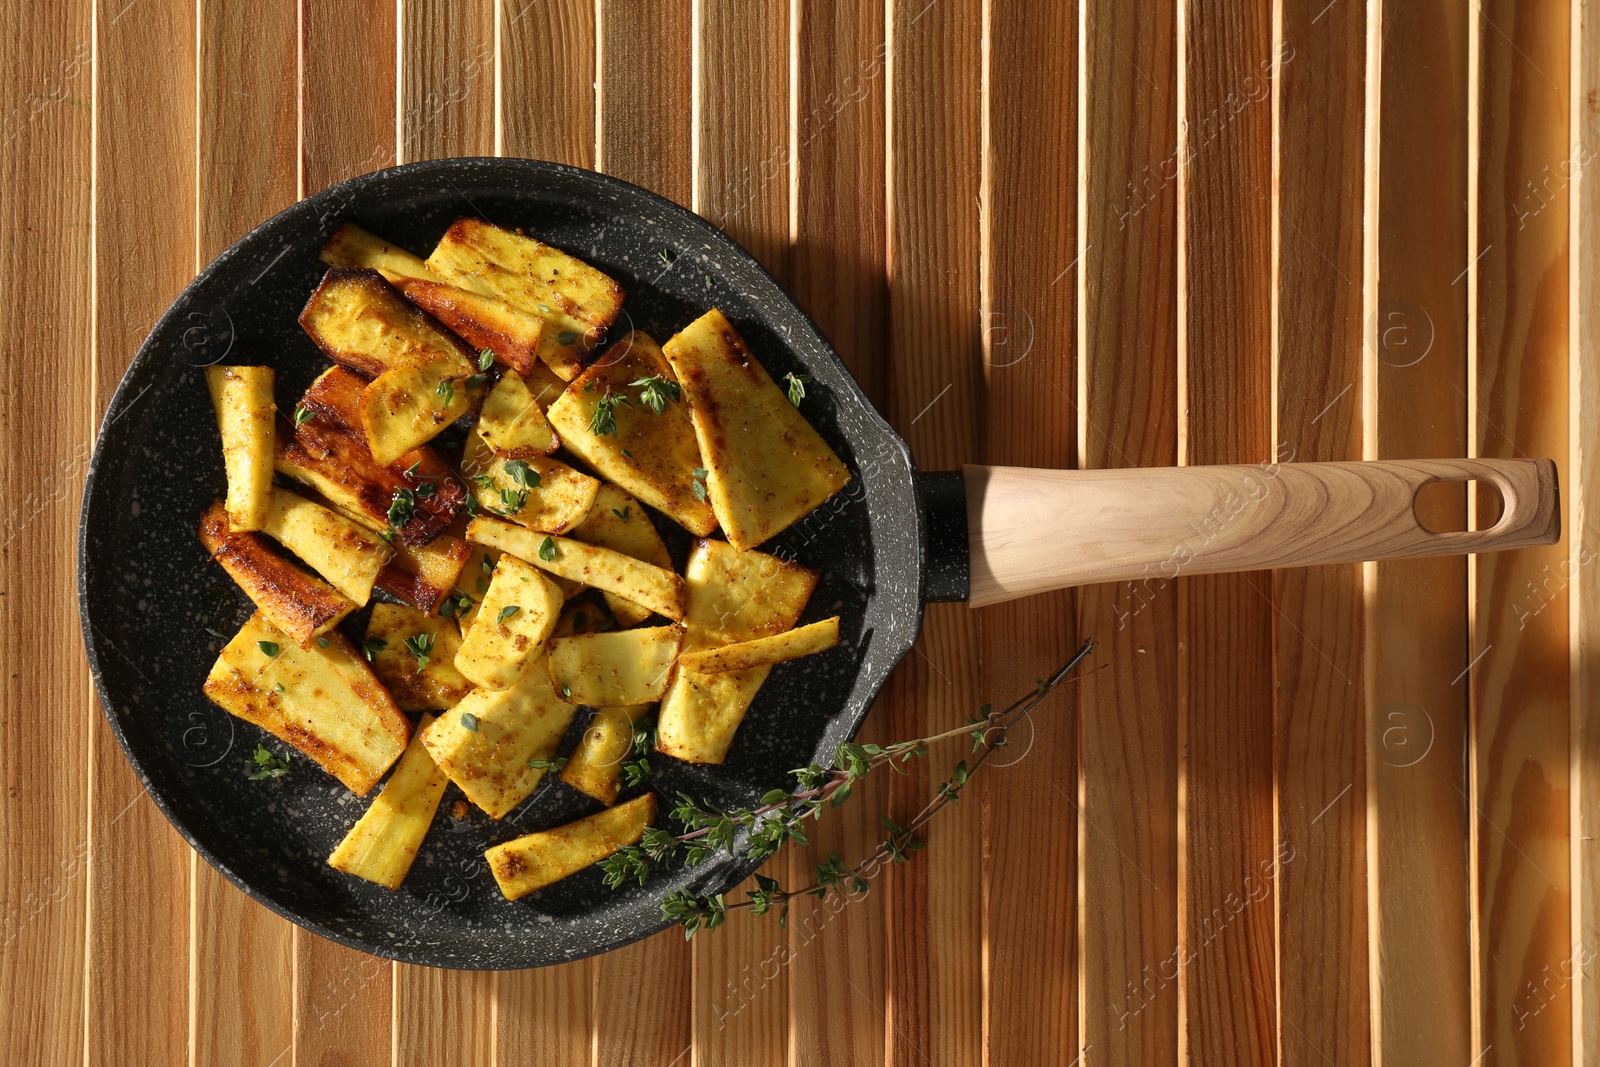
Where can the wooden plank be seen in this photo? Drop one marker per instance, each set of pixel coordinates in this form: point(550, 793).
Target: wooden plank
point(1584, 496)
point(934, 907)
point(1029, 334)
point(742, 124)
point(347, 91)
point(1126, 280)
point(836, 960)
point(547, 70)
point(643, 96)
point(545, 1015)
point(1416, 628)
point(1226, 621)
point(137, 992)
point(446, 108)
point(342, 1005)
point(447, 79)
point(1518, 230)
point(443, 1018)
point(642, 1005)
point(1323, 1000)
point(344, 999)
point(546, 111)
point(241, 999)
point(45, 322)
point(741, 981)
point(838, 257)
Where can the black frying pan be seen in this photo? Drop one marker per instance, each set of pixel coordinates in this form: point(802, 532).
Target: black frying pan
point(155, 611)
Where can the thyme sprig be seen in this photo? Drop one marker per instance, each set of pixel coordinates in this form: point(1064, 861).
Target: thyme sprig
point(657, 391)
point(603, 423)
point(780, 817)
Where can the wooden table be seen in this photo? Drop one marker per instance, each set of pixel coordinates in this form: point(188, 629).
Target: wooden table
point(1320, 817)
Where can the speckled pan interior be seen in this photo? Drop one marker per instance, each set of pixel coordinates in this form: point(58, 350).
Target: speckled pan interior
point(156, 611)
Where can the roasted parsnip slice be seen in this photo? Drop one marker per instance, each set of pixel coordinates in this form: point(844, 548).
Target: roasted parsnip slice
point(421, 575)
point(618, 522)
point(328, 451)
point(767, 466)
point(515, 619)
point(625, 612)
point(364, 323)
point(405, 407)
point(351, 246)
point(424, 576)
point(300, 604)
point(496, 744)
point(738, 595)
point(700, 713)
point(346, 553)
point(537, 860)
point(474, 582)
point(323, 700)
point(612, 572)
point(512, 424)
point(414, 656)
point(576, 301)
point(382, 844)
point(482, 321)
point(583, 617)
point(765, 651)
point(620, 667)
point(539, 492)
point(652, 456)
point(543, 385)
point(242, 397)
point(733, 596)
point(595, 766)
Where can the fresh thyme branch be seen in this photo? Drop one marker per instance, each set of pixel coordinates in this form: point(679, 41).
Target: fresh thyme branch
point(781, 817)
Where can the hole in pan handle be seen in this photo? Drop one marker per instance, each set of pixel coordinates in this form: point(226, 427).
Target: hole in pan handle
point(1030, 530)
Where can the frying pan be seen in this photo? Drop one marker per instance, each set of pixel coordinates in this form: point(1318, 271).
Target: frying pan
point(155, 611)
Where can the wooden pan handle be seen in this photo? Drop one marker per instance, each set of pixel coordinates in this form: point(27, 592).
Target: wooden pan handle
point(1033, 530)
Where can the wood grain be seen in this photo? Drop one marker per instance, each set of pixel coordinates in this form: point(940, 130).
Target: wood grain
point(547, 71)
point(137, 993)
point(1127, 401)
point(343, 999)
point(447, 79)
point(1229, 855)
point(1029, 335)
point(643, 1007)
point(741, 183)
point(546, 1013)
point(546, 111)
point(644, 95)
point(934, 907)
point(1583, 496)
point(443, 1018)
point(1416, 630)
point(241, 1001)
point(838, 260)
point(45, 324)
point(1520, 686)
point(347, 102)
point(1320, 732)
point(836, 969)
point(446, 108)
point(342, 1005)
point(741, 130)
